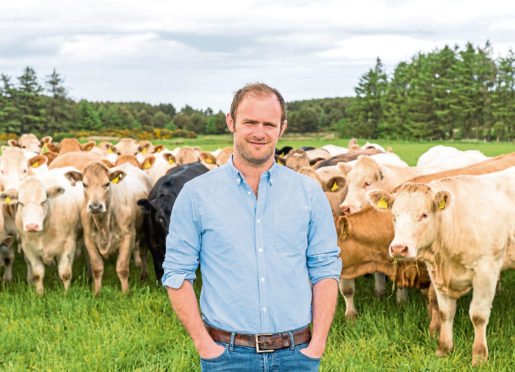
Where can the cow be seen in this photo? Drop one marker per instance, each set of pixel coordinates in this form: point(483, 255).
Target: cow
point(223, 155)
point(440, 158)
point(186, 155)
point(30, 143)
point(463, 228)
point(6, 252)
point(47, 221)
point(110, 217)
point(157, 165)
point(70, 145)
point(295, 159)
point(363, 238)
point(78, 160)
point(158, 207)
point(368, 174)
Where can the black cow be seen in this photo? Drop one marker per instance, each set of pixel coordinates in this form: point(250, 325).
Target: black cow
point(158, 208)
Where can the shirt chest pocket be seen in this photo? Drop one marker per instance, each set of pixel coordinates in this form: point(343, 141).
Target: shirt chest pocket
point(290, 233)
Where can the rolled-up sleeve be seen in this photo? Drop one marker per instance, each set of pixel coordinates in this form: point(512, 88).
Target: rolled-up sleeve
point(183, 242)
point(323, 259)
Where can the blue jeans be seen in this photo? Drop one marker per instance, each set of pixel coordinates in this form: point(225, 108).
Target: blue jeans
point(242, 358)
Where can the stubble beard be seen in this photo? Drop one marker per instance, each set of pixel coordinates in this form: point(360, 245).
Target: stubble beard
point(250, 158)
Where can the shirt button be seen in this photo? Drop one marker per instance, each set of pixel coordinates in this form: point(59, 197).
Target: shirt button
point(260, 249)
point(248, 193)
point(264, 309)
point(262, 279)
point(258, 221)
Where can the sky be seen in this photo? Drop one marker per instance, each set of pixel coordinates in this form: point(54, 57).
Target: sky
point(200, 52)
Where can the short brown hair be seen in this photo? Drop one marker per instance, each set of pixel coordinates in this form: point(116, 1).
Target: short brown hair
point(259, 89)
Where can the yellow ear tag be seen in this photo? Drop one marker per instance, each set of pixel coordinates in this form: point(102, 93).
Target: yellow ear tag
point(8, 200)
point(144, 151)
point(116, 179)
point(158, 149)
point(382, 204)
point(35, 164)
point(170, 160)
point(442, 204)
point(279, 161)
point(335, 187)
point(281, 154)
point(209, 160)
point(44, 145)
point(110, 150)
point(147, 165)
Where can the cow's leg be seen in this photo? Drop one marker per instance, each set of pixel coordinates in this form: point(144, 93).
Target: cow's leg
point(143, 255)
point(96, 263)
point(347, 289)
point(434, 311)
point(482, 297)
point(447, 310)
point(401, 295)
point(8, 259)
point(379, 284)
point(38, 271)
point(123, 260)
point(30, 274)
point(65, 262)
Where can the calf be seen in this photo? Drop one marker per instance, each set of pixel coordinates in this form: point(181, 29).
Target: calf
point(463, 228)
point(110, 217)
point(158, 207)
point(47, 220)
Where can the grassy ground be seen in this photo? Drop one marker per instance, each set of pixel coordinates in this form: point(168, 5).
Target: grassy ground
point(76, 332)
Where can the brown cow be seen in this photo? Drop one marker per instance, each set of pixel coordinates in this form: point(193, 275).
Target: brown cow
point(364, 250)
point(78, 160)
point(30, 143)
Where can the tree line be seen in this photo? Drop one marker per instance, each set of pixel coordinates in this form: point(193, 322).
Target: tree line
point(28, 104)
point(449, 93)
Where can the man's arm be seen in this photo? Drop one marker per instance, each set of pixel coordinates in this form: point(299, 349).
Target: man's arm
point(185, 305)
point(325, 298)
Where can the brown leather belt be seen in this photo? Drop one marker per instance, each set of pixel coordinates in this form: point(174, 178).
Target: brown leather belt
point(265, 342)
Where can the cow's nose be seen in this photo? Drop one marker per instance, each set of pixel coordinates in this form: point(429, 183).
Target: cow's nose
point(345, 209)
point(32, 227)
point(399, 250)
point(95, 207)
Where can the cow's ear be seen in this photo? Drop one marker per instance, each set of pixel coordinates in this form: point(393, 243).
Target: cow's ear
point(313, 174)
point(111, 149)
point(107, 163)
point(144, 147)
point(344, 167)
point(54, 191)
point(145, 205)
point(207, 158)
point(73, 177)
point(37, 161)
point(342, 227)
point(46, 139)
point(50, 156)
point(336, 184)
point(88, 146)
point(9, 197)
point(441, 200)
point(280, 160)
point(158, 148)
point(13, 143)
point(117, 176)
point(148, 162)
point(380, 200)
point(170, 158)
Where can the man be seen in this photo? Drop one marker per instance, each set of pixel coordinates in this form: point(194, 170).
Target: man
point(262, 235)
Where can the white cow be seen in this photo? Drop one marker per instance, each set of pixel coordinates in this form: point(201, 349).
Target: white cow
point(440, 158)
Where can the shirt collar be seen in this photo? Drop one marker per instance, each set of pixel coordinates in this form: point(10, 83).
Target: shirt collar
point(271, 174)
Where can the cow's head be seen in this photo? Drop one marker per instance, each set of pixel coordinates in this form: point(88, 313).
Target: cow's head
point(33, 200)
point(366, 175)
point(14, 166)
point(27, 142)
point(97, 180)
point(415, 210)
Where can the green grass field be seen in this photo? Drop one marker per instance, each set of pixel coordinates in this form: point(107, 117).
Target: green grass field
point(76, 332)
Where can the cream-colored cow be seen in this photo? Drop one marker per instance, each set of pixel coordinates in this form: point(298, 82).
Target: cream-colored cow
point(111, 218)
point(463, 228)
point(47, 221)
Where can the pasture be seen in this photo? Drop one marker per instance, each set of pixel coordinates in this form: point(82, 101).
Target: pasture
point(76, 332)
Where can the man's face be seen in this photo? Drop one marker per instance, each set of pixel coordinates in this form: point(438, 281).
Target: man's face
point(257, 128)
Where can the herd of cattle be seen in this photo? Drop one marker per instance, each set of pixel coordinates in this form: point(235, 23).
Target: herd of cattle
point(445, 226)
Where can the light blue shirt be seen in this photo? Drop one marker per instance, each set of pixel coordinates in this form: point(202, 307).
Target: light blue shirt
point(257, 255)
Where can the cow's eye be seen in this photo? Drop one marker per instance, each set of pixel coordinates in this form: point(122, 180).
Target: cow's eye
point(24, 171)
point(118, 153)
point(135, 153)
point(423, 216)
point(23, 147)
point(43, 203)
point(85, 186)
point(394, 219)
point(106, 185)
point(366, 184)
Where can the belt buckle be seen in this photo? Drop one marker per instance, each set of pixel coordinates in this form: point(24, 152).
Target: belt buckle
point(258, 350)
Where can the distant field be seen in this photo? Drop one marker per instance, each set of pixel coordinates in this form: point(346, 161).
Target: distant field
point(77, 332)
